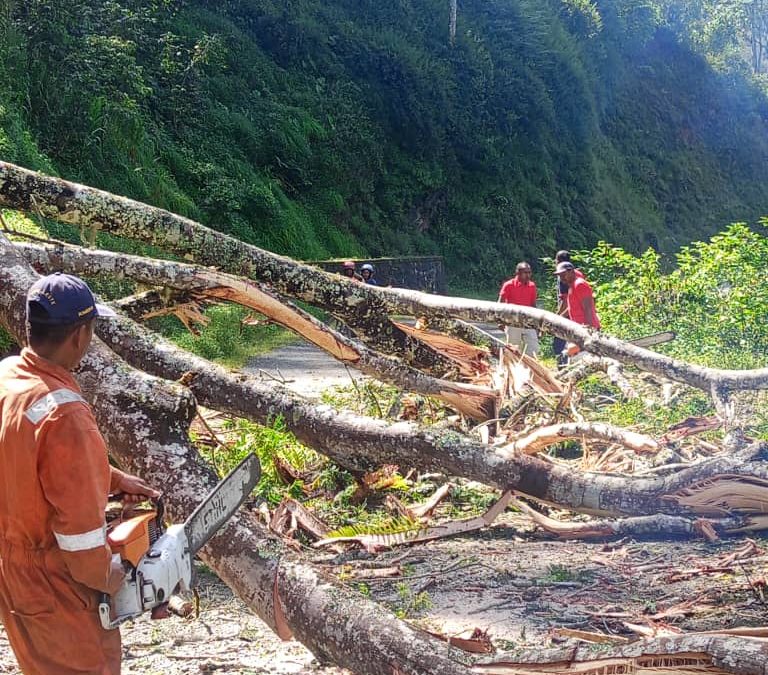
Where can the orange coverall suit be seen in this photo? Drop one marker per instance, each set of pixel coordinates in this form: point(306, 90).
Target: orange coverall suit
point(54, 558)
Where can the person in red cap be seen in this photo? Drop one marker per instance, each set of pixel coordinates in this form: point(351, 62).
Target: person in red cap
point(348, 270)
point(521, 290)
point(580, 299)
point(54, 481)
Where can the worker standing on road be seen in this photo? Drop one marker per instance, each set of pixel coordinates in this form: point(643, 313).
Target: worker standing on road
point(558, 344)
point(521, 290)
point(54, 481)
point(581, 300)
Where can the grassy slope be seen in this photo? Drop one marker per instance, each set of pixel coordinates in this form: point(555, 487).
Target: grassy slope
point(318, 129)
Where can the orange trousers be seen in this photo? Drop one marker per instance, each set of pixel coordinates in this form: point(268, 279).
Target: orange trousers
point(52, 622)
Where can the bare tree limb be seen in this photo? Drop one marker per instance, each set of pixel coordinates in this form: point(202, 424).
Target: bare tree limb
point(477, 402)
point(363, 307)
point(699, 653)
point(543, 437)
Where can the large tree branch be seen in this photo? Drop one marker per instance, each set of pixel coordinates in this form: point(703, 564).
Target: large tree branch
point(361, 443)
point(699, 652)
point(363, 307)
point(90, 208)
point(477, 402)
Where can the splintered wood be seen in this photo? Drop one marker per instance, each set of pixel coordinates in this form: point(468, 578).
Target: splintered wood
point(724, 494)
point(471, 361)
point(689, 664)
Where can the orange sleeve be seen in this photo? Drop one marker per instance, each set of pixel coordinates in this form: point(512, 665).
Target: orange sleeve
point(75, 476)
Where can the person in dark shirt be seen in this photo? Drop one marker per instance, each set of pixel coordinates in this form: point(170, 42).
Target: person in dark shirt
point(558, 344)
point(367, 272)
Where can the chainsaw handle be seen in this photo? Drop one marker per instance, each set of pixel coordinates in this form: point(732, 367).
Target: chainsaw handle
point(157, 502)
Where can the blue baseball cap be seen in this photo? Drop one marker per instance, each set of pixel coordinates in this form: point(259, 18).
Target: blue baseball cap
point(64, 300)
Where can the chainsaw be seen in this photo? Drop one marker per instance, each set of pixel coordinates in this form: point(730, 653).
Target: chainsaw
point(158, 561)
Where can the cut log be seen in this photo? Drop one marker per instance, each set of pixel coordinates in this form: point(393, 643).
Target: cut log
point(684, 655)
point(477, 402)
point(145, 422)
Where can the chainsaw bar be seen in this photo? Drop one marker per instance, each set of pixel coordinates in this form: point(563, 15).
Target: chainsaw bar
point(219, 505)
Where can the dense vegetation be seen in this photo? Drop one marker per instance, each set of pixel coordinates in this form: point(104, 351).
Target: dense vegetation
point(355, 127)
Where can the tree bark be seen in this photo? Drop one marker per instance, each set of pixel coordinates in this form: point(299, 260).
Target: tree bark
point(145, 422)
point(89, 208)
point(362, 444)
point(698, 652)
point(477, 402)
point(363, 307)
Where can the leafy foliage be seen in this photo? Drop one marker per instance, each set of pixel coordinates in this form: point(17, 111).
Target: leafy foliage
point(715, 299)
point(267, 442)
point(391, 526)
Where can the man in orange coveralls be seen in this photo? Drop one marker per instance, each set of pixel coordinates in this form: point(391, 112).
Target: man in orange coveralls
point(54, 481)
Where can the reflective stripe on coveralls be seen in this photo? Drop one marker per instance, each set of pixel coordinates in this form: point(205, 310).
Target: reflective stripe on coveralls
point(54, 560)
point(36, 413)
point(39, 410)
point(82, 542)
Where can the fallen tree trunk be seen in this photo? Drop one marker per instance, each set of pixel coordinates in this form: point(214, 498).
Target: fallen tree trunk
point(688, 654)
point(90, 208)
point(478, 402)
point(362, 444)
point(145, 423)
point(361, 306)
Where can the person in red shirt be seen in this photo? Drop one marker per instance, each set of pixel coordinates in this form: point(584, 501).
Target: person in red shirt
point(54, 481)
point(558, 344)
point(581, 300)
point(521, 290)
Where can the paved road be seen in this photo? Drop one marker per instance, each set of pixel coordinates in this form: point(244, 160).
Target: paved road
point(305, 369)
point(309, 371)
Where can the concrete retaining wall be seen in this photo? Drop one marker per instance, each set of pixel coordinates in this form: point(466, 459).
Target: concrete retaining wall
point(424, 273)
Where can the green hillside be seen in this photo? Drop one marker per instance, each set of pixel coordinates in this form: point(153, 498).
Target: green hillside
point(352, 127)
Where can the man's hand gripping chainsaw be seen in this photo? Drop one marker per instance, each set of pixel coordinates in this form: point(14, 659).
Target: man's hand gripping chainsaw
point(159, 562)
